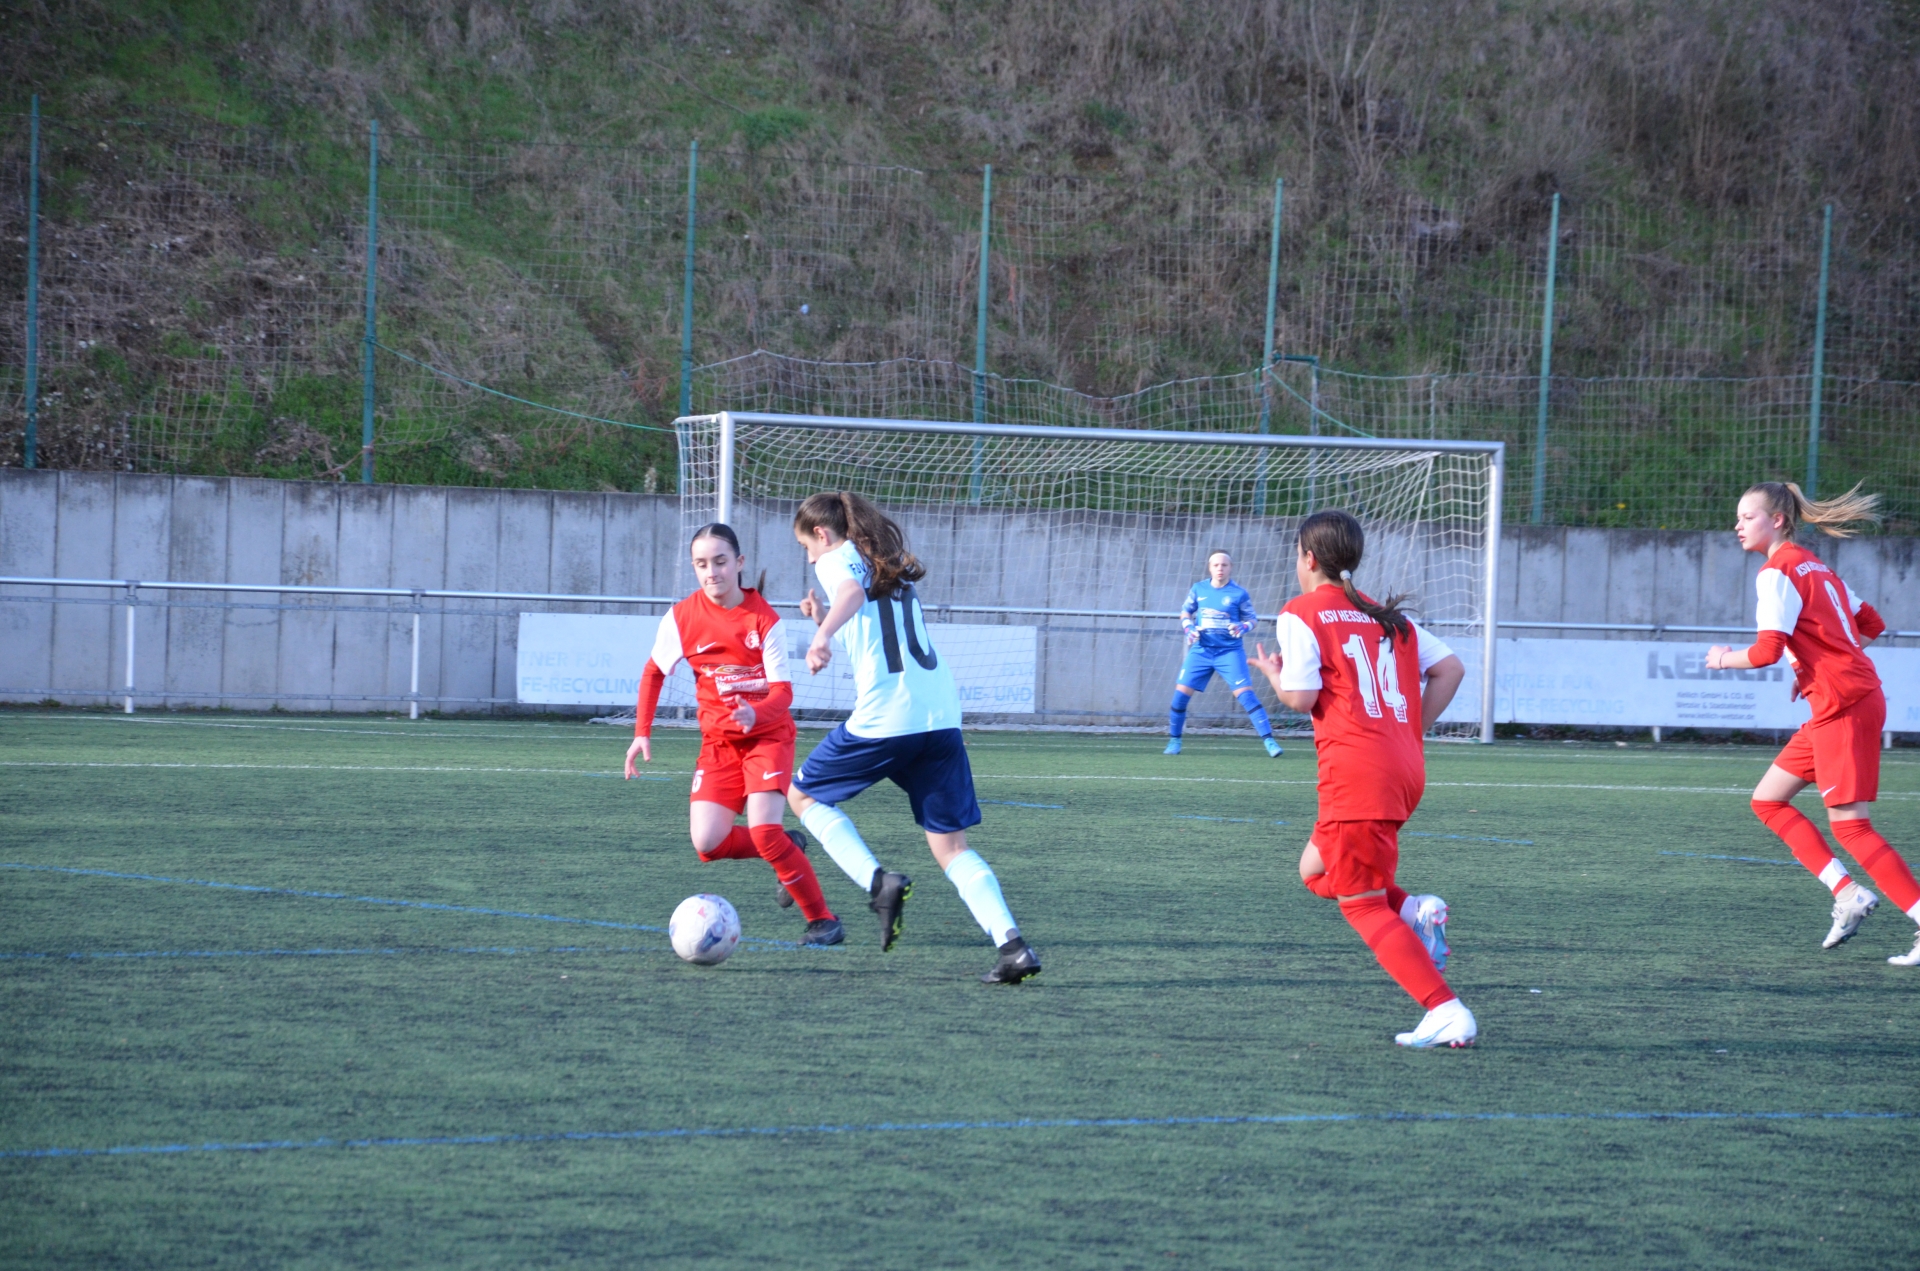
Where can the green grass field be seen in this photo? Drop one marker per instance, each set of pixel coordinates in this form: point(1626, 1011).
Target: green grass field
point(845, 1108)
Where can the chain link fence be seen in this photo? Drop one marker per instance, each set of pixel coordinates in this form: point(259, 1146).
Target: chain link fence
point(201, 290)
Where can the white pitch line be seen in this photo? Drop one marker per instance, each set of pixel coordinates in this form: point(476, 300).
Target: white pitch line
point(335, 767)
point(985, 776)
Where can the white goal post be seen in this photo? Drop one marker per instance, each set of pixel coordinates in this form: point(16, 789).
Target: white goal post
point(1079, 544)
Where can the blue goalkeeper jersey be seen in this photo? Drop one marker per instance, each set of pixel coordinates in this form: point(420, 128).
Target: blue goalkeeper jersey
point(1220, 615)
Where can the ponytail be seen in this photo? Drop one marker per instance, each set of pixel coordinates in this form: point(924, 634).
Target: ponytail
point(873, 533)
point(1834, 517)
point(1337, 543)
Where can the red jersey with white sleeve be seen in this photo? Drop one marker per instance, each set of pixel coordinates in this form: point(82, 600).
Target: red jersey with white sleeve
point(738, 656)
point(1808, 613)
point(1366, 721)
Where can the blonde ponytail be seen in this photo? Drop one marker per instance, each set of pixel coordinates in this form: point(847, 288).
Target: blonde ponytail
point(1834, 517)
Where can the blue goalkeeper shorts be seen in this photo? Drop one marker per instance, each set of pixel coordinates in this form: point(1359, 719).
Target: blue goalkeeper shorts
point(1231, 662)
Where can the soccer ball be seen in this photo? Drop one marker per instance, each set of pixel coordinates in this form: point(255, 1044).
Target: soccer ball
point(704, 929)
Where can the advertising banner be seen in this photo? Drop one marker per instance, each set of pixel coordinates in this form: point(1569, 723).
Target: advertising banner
point(590, 659)
point(1643, 683)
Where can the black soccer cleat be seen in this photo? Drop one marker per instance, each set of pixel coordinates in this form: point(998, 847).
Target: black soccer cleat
point(1017, 962)
point(890, 892)
point(824, 931)
point(799, 841)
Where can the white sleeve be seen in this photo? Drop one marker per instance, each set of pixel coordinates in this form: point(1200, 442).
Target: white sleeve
point(1432, 648)
point(773, 653)
point(1299, 652)
point(834, 570)
point(1853, 602)
point(1779, 602)
point(666, 644)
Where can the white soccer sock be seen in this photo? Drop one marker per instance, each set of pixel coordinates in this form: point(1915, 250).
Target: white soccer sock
point(1913, 911)
point(1834, 875)
point(973, 878)
point(835, 831)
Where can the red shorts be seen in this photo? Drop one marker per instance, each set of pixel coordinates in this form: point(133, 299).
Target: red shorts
point(1841, 756)
point(731, 769)
point(1359, 855)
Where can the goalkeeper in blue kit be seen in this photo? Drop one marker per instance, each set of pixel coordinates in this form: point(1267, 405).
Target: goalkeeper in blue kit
point(1216, 618)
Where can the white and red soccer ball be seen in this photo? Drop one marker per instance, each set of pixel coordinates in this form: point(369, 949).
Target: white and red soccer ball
point(704, 930)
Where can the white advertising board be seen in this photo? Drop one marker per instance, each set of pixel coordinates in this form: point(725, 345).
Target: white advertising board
point(1643, 683)
point(590, 659)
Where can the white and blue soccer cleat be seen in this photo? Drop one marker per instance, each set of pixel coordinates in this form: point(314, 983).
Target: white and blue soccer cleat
point(1448, 1024)
point(1427, 915)
point(1173, 747)
point(1850, 909)
point(1909, 958)
point(1273, 747)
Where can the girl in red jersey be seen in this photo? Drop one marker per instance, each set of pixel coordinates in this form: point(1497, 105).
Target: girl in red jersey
point(1356, 666)
point(1809, 614)
point(737, 648)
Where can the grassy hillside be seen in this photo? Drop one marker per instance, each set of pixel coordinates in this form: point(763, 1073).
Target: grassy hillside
point(1134, 144)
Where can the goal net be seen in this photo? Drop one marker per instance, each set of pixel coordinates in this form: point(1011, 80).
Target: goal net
point(1058, 558)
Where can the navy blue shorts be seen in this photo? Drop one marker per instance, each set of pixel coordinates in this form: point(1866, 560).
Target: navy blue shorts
point(931, 767)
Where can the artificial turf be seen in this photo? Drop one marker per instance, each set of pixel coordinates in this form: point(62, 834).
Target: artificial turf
point(1188, 976)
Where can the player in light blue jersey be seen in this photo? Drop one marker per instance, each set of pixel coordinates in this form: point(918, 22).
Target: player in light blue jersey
point(1217, 616)
point(905, 725)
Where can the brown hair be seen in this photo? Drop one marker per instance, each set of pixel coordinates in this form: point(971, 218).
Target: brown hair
point(1337, 543)
point(1834, 517)
point(724, 532)
point(874, 534)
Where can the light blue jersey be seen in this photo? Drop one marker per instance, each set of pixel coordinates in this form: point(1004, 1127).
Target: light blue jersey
point(1216, 618)
point(900, 684)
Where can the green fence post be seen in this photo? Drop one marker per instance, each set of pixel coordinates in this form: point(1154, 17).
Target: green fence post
point(686, 284)
point(1266, 358)
point(980, 338)
point(1546, 371)
point(1819, 357)
point(31, 446)
point(373, 248)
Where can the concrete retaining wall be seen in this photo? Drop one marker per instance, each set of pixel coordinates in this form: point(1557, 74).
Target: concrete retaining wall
point(103, 525)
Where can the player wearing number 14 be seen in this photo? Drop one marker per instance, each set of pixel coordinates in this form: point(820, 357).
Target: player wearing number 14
point(1355, 667)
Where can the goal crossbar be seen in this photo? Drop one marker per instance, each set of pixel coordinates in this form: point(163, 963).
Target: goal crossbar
point(727, 424)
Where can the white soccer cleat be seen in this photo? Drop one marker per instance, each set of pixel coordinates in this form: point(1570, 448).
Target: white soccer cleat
point(1427, 915)
point(1448, 1024)
point(1850, 909)
point(1911, 957)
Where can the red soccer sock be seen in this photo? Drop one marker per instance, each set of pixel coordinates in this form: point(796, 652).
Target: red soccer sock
point(793, 869)
point(737, 846)
point(1398, 949)
point(1803, 837)
point(1877, 857)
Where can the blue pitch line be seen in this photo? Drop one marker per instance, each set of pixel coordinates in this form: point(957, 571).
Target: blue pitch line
point(133, 955)
point(1745, 860)
point(1009, 803)
point(922, 1127)
point(376, 900)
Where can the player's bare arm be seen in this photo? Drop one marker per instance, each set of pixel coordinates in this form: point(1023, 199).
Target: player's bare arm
point(1443, 681)
point(846, 603)
point(642, 746)
point(1294, 699)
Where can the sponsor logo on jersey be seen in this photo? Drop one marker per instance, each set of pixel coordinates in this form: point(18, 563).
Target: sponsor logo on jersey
point(768, 776)
point(712, 645)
